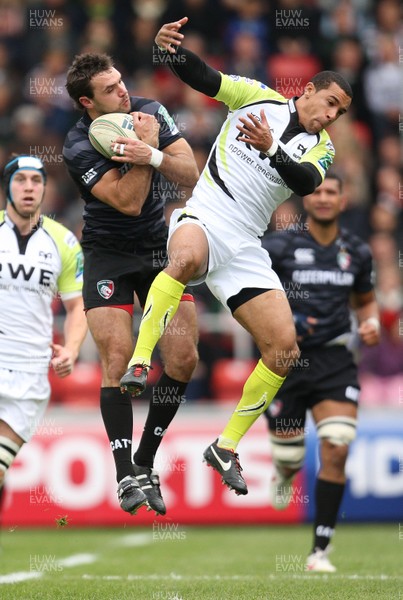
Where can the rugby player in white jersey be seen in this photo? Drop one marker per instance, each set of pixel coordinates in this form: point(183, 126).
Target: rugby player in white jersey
point(267, 148)
point(38, 258)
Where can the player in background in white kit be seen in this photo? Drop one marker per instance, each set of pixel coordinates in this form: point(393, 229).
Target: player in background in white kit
point(267, 148)
point(38, 258)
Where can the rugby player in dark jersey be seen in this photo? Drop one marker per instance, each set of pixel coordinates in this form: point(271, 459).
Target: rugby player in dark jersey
point(124, 244)
point(326, 272)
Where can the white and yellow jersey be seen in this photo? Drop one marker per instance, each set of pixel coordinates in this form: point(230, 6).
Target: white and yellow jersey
point(238, 184)
point(33, 269)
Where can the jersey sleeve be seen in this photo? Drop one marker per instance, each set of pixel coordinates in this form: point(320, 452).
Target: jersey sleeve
point(236, 91)
point(70, 280)
point(169, 132)
point(275, 244)
point(320, 156)
point(364, 281)
point(84, 163)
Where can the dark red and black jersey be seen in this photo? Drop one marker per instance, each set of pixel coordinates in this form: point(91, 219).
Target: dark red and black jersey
point(87, 166)
point(318, 280)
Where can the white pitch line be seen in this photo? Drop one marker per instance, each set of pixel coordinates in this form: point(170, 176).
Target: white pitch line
point(19, 576)
point(135, 539)
point(329, 576)
point(171, 577)
point(70, 561)
point(77, 559)
point(177, 577)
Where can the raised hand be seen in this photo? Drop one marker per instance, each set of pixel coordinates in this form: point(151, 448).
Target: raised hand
point(169, 36)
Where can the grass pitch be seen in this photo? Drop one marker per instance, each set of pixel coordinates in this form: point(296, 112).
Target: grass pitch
point(174, 562)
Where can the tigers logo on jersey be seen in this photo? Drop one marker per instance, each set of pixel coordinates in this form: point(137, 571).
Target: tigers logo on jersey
point(343, 259)
point(105, 288)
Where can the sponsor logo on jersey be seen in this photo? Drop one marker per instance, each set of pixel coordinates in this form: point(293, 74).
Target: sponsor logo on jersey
point(317, 277)
point(125, 168)
point(329, 146)
point(89, 175)
point(25, 273)
point(235, 77)
point(304, 256)
point(300, 150)
point(70, 239)
point(352, 393)
point(105, 288)
point(343, 259)
point(326, 161)
point(45, 255)
point(79, 265)
point(168, 119)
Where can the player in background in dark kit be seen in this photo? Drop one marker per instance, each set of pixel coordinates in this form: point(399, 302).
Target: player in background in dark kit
point(326, 271)
point(124, 244)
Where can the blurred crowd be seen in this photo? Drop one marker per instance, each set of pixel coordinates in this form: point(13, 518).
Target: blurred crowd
point(282, 43)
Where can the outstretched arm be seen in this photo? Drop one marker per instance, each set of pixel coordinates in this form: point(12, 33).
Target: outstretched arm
point(185, 64)
point(301, 178)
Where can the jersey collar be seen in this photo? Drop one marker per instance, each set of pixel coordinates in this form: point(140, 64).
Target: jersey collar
point(293, 128)
point(12, 225)
point(291, 104)
point(86, 119)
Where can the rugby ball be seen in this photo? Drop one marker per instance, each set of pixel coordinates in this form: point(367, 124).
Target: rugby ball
point(106, 128)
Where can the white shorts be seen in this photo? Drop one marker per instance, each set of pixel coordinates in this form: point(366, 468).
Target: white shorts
point(23, 400)
point(236, 257)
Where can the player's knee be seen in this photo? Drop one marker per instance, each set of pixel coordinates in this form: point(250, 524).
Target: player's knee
point(184, 263)
point(338, 431)
point(113, 368)
point(115, 352)
point(336, 435)
point(287, 341)
point(288, 453)
point(187, 361)
point(286, 354)
point(181, 364)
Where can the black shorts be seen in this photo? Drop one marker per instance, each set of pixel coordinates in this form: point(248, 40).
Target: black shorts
point(326, 373)
point(116, 269)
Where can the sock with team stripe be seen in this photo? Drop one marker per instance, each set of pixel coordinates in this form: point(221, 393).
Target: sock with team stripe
point(259, 390)
point(162, 303)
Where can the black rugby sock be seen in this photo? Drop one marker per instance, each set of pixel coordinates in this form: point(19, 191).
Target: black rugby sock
point(328, 497)
point(167, 396)
point(117, 414)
